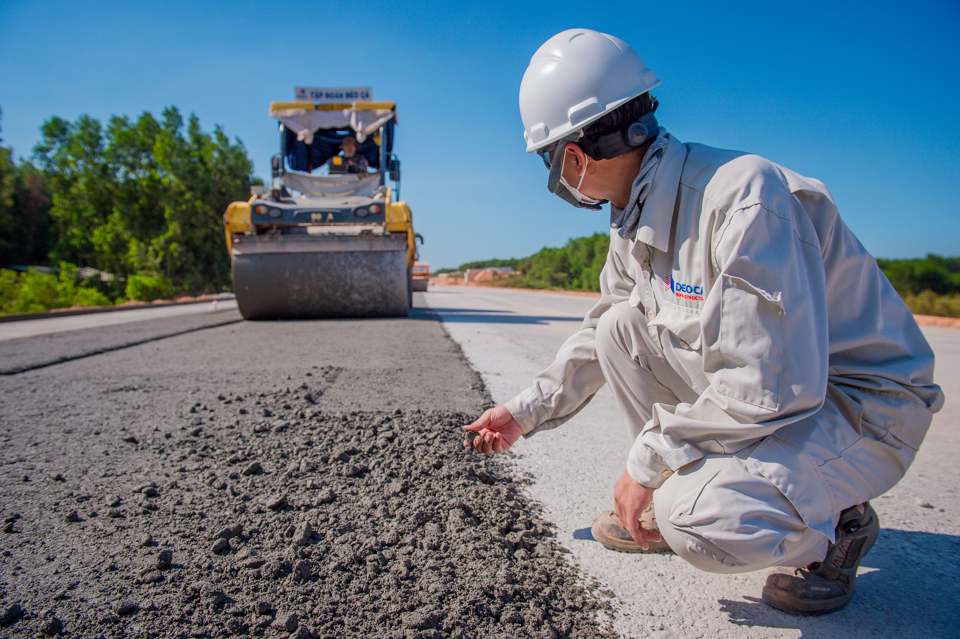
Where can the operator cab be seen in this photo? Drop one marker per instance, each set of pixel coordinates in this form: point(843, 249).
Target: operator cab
point(312, 139)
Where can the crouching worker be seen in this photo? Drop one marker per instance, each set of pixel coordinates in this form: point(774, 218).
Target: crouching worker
point(770, 377)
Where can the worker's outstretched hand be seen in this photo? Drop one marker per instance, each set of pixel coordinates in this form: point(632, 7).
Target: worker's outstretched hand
point(629, 499)
point(496, 431)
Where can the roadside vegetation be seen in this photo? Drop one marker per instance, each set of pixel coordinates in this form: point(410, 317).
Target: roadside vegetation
point(929, 285)
point(137, 203)
point(34, 292)
point(574, 267)
point(133, 211)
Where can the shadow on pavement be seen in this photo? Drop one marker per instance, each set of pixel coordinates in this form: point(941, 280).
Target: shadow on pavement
point(583, 533)
point(908, 586)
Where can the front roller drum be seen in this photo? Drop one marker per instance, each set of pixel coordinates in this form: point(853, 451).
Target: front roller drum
point(301, 280)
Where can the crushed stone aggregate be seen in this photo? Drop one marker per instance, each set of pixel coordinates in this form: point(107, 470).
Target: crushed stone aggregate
point(341, 503)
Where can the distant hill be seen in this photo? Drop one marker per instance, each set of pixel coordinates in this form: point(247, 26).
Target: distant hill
point(574, 267)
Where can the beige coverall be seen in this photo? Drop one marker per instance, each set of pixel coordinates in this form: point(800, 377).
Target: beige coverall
point(767, 371)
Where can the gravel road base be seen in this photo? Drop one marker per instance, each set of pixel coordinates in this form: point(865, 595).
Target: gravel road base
point(302, 479)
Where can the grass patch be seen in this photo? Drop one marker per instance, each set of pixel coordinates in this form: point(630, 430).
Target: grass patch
point(34, 292)
point(929, 303)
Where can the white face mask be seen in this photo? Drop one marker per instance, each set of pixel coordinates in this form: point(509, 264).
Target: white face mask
point(575, 192)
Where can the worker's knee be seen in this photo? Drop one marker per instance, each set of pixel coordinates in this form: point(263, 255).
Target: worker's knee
point(693, 545)
point(722, 518)
point(692, 540)
point(617, 331)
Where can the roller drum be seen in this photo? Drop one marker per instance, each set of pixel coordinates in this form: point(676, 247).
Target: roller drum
point(321, 277)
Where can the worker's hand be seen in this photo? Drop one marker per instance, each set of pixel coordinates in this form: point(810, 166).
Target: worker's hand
point(496, 431)
point(630, 499)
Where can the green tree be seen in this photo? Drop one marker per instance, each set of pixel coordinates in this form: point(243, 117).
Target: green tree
point(8, 176)
point(203, 174)
point(512, 263)
point(34, 292)
point(24, 212)
point(143, 197)
point(71, 157)
point(31, 204)
point(940, 275)
point(574, 267)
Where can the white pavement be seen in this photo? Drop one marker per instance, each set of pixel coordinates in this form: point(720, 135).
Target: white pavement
point(908, 585)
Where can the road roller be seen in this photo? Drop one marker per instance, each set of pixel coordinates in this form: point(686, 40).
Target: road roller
point(330, 237)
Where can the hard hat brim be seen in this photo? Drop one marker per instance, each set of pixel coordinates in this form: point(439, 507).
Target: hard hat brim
point(567, 128)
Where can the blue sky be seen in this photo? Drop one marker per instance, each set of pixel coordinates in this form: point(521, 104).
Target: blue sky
point(864, 96)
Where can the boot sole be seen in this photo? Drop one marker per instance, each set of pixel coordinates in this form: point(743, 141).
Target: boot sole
point(783, 600)
point(786, 602)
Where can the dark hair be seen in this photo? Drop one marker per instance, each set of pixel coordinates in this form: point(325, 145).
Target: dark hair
point(623, 116)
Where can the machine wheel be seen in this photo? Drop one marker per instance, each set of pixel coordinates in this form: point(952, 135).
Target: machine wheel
point(277, 280)
point(410, 287)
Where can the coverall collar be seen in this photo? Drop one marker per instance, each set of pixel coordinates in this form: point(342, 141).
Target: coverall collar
point(656, 222)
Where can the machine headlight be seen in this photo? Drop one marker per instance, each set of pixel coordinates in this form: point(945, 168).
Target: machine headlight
point(275, 213)
point(260, 209)
point(361, 212)
point(374, 209)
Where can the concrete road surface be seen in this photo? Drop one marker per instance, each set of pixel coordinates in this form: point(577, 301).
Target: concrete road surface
point(907, 587)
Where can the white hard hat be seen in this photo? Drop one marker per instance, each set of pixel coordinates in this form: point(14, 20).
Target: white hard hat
point(575, 78)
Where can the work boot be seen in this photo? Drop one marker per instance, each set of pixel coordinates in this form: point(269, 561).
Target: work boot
point(826, 586)
point(608, 531)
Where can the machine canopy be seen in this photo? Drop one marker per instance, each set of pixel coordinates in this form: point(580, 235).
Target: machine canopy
point(312, 133)
point(342, 185)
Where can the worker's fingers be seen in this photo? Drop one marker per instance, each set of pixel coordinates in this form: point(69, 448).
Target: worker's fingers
point(482, 443)
point(632, 524)
point(630, 498)
point(482, 422)
point(475, 442)
point(492, 418)
point(496, 430)
point(488, 440)
point(651, 535)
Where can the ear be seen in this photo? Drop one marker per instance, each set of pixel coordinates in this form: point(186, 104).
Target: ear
point(573, 159)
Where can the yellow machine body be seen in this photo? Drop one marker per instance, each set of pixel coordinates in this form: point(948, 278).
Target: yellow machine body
point(342, 247)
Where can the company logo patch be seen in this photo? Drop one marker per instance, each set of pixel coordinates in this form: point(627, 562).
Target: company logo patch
point(683, 291)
